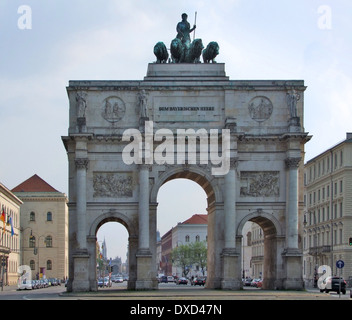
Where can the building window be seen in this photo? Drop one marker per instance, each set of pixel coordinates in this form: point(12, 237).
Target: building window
point(49, 216)
point(49, 241)
point(32, 241)
point(32, 216)
point(197, 238)
point(32, 264)
point(49, 265)
point(187, 239)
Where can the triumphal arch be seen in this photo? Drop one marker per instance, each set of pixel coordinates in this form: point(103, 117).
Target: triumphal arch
point(241, 141)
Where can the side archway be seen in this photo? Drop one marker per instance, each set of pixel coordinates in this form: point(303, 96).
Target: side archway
point(132, 229)
point(273, 245)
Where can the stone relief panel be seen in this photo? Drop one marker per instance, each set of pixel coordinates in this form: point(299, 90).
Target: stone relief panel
point(112, 184)
point(260, 109)
point(113, 109)
point(260, 184)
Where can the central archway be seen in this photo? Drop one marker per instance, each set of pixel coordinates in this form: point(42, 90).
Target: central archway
point(214, 196)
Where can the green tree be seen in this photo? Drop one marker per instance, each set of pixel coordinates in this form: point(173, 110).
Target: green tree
point(186, 255)
point(199, 254)
point(181, 257)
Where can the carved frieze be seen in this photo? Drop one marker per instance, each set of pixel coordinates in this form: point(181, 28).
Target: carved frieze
point(260, 184)
point(112, 184)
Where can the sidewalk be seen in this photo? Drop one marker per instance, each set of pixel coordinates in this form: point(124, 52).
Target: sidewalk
point(8, 288)
point(204, 294)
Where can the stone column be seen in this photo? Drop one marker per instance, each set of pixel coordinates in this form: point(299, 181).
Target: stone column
point(145, 275)
point(230, 206)
point(143, 211)
point(230, 254)
point(292, 255)
point(292, 203)
point(81, 201)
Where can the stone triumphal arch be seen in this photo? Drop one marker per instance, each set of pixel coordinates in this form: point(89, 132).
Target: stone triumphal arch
point(241, 141)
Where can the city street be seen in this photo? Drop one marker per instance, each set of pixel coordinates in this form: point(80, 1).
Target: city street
point(167, 291)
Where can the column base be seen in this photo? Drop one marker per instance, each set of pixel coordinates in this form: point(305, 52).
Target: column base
point(231, 279)
point(81, 281)
point(292, 260)
point(146, 278)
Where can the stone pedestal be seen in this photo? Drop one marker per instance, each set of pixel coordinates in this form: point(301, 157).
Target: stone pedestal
point(231, 270)
point(292, 261)
point(81, 276)
point(146, 279)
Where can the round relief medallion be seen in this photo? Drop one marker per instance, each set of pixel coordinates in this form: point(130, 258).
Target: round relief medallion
point(260, 108)
point(113, 109)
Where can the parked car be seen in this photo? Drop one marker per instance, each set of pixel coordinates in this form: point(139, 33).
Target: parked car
point(247, 282)
point(182, 280)
point(107, 282)
point(119, 279)
point(25, 285)
point(198, 281)
point(170, 279)
point(100, 282)
point(36, 284)
point(163, 279)
point(53, 282)
point(255, 282)
point(333, 284)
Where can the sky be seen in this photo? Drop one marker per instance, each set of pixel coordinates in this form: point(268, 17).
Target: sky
point(50, 42)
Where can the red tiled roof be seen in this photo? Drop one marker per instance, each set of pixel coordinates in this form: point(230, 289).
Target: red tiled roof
point(34, 184)
point(197, 219)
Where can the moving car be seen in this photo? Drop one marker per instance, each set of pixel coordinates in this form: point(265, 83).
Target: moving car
point(333, 284)
point(182, 280)
point(163, 279)
point(198, 281)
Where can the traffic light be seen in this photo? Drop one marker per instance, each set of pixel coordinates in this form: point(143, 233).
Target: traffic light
point(350, 242)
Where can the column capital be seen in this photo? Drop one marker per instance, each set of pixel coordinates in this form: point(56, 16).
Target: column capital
point(234, 163)
point(144, 166)
point(292, 162)
point(81, 163)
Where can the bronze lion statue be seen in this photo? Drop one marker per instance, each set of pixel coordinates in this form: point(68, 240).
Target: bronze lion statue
point(178, 51)
point(210, 52)
point(161, 53)
point(195, 51)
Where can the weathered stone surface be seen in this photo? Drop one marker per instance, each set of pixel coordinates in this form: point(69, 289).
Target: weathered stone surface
point(264, 137)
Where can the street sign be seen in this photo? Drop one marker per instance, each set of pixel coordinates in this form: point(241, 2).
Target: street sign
point(340, 264)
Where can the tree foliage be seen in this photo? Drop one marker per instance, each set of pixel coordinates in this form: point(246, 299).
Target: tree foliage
point(185, 256)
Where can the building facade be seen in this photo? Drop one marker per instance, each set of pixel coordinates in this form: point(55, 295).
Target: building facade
point(192, 230)
point(328, 216)
point(9, 236)
point(44, 229)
